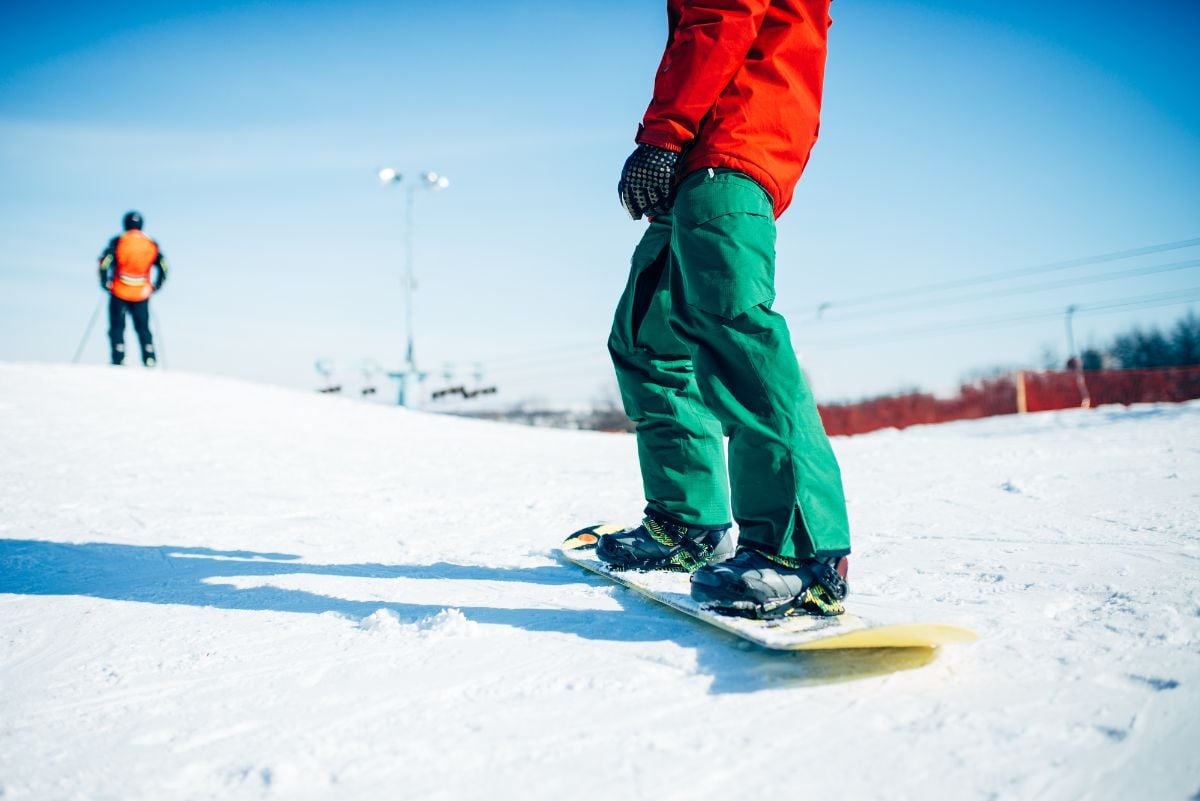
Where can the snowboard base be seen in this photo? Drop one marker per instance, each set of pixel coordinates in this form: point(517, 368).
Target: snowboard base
point(793, 633)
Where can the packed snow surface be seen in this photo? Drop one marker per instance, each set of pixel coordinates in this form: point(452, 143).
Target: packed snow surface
point(211, 589)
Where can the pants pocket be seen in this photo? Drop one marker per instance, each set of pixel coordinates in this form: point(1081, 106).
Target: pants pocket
point(724, 241)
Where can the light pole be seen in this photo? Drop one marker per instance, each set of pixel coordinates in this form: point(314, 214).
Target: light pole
point(435, 183)
point(1071, 332)
point(1085, 398)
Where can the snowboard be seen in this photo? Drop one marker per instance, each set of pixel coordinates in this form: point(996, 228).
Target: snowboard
point(799, 632)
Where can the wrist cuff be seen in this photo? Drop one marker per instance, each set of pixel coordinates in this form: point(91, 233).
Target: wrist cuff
point(657, 139)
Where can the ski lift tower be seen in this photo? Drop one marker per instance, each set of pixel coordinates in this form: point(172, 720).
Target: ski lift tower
point(408, 375)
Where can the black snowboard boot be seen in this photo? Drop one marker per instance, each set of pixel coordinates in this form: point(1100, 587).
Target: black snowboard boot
point(754, 585)
point(659, 544)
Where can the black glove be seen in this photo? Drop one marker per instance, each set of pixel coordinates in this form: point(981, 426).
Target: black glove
point(647, 184)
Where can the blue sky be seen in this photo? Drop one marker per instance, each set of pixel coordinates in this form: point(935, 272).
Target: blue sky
point(958, 140)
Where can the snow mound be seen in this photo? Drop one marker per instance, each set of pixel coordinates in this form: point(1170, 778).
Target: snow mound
point(382, 621)
point(447, 623)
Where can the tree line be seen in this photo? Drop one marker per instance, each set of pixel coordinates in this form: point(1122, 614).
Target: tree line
point(1145, 348)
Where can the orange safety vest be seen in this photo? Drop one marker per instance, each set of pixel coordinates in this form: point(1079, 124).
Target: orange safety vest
point(135, 254)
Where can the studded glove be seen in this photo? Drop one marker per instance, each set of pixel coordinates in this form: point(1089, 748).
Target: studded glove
point(647, 184)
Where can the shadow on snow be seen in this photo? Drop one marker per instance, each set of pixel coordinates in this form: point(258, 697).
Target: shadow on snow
point(188, 576)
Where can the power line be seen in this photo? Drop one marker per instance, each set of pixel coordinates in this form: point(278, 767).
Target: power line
point(1170, 298)
point(1146, 302)
point(576, 356)
point(1153, 300)
point(1060, 284)
point(1002, 275)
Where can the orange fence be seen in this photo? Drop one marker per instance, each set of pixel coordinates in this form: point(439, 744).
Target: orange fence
point(1063, 390)
point(1024, 391)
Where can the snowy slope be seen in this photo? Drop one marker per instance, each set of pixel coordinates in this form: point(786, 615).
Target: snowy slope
point(211, 589)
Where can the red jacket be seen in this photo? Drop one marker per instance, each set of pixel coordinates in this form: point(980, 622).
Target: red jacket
point(739, 86)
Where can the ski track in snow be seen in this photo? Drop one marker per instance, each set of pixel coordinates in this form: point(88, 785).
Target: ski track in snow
point(269, 594)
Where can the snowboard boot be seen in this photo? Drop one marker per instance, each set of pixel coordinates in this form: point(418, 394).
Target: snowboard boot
point(659, 544)
point(755, 585)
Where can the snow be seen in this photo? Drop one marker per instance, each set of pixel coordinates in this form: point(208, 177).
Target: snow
point(214, 589)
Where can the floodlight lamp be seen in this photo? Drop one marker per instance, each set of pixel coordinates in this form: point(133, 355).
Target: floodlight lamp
point(435, 182)
point(388, 175)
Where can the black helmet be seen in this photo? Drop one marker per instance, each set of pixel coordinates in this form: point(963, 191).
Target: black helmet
point(132, 221)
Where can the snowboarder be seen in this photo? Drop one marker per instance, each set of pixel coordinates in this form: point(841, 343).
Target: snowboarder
point(125, 273)
point(699, 353)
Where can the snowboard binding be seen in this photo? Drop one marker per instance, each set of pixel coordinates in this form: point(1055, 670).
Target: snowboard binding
point(756, 586)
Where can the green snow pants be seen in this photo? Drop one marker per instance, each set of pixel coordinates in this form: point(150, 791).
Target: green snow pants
point(700, 356)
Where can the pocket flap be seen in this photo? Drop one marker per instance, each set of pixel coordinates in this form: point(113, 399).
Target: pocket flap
point(715, 197)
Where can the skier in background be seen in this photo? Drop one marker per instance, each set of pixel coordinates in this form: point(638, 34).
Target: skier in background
point(699, 353)
point(125, 273)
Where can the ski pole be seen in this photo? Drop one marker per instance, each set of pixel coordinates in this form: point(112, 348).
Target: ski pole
point(87, 332)
point(158, 351)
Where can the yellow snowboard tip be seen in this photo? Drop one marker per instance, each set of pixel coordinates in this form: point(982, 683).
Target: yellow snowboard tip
point(903, 635)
